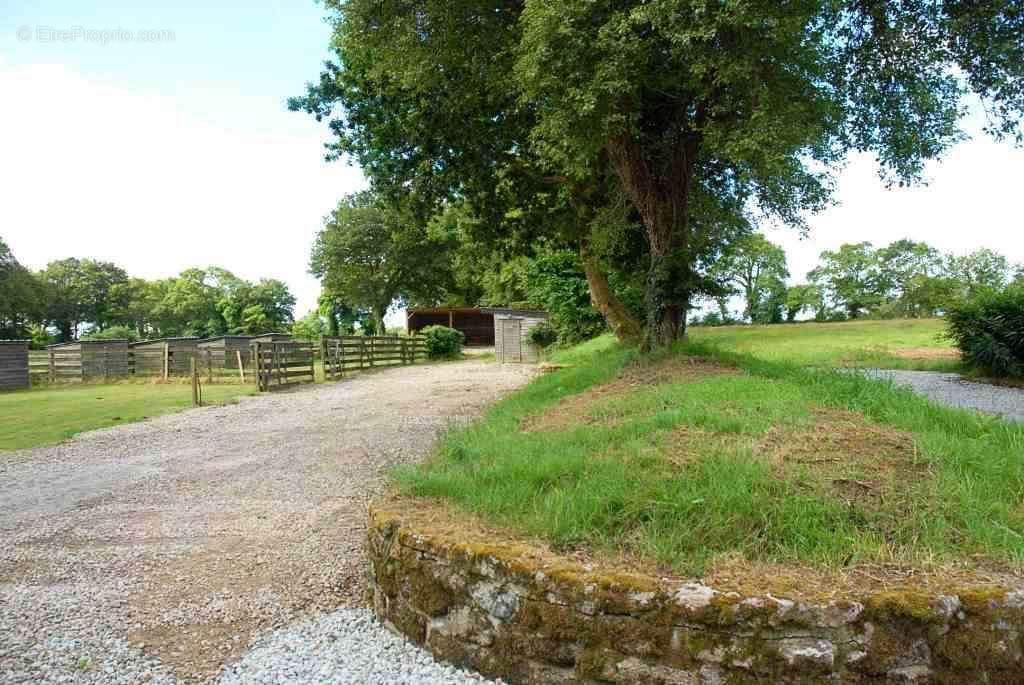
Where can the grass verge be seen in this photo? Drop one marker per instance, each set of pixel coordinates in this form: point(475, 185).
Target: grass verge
point(45, 416)
point(706, 456)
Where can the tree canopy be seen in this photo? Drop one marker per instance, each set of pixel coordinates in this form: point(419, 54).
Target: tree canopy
point(706, 118)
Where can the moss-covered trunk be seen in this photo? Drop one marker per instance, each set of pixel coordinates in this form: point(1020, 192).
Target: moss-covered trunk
point(661, 194)
point(622, 322)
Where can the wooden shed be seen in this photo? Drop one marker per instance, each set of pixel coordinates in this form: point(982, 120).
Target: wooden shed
point(14, 364)
point(271, 337)
point(89, 359)
point(150, 356)
point(475, 323)
point(512, 334)
point(223, 352)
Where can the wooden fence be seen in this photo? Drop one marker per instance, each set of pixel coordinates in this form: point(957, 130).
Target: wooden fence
point(14, 364)
point(352, 352)
point(279, 365)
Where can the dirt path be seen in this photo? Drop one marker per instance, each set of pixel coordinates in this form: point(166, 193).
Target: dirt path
point(157, 551)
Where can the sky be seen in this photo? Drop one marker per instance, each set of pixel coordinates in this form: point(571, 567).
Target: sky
point(157, 137)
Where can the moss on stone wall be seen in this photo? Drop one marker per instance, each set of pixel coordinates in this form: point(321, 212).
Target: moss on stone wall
point(522, 613)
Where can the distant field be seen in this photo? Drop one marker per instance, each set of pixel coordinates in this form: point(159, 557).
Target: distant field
point(45, 416)
point(896, 344)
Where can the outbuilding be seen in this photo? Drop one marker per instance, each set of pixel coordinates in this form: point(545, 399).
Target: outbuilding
point(512, 333)
point(225, 351)
point(14, 364)
point(89, 359)
point(149, 357)
point(476, 324)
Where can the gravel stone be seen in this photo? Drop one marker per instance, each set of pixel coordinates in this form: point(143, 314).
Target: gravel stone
point(346, 647)
point(160, 552)
point(954, 391)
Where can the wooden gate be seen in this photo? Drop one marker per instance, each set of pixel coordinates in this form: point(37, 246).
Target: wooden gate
point(353, 352)
point(511, 344)
point(280, 365)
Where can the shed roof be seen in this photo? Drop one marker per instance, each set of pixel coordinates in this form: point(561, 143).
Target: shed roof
point(535, 313)
point(169, 339)
point(88, 342)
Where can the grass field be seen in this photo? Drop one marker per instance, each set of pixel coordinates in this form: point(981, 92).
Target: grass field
point(741, 458)
point(44, 416)
point(899, 344)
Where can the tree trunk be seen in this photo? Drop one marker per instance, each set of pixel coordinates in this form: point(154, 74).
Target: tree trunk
point(662, 200)
point(378, 319)
point(622, 322)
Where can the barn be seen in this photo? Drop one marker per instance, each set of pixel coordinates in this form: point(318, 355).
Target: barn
point(13, 364)
point(149, 356)
point(512, 333)
point(473, 322)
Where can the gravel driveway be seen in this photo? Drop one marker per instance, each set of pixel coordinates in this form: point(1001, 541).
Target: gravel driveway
point(952, 390)
point(222, 542)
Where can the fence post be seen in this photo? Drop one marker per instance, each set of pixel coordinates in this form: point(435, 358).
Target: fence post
point(241, 366)
point(52, 371)
point(195, 381)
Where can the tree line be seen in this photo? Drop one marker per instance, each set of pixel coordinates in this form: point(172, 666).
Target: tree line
point(74, 298)
point(644, 137)
point(905, 279)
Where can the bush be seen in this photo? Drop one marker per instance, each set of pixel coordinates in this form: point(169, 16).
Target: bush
point(989, 330)
point(443, 342)
point(543, 334)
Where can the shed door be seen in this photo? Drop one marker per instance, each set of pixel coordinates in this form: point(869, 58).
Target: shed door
point(511, 347)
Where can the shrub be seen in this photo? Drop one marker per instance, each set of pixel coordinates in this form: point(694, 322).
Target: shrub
point(443, 342)
point(989, 330)
point(543, 334)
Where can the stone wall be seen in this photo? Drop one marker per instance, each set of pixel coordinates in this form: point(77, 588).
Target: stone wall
point(511, 611)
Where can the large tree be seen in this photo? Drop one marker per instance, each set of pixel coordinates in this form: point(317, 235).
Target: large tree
point(757, 267)
point(373, 252)
point(706, 115)
point(849, 276)
point(21, 296)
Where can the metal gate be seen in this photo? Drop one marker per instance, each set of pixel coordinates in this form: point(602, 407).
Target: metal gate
point(511, 347)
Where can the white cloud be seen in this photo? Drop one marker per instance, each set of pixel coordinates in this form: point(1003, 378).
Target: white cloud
point(92, 170)
point(973, 199)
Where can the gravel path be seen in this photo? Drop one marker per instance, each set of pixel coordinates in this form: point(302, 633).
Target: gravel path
point(223, 542)
point(950, 389)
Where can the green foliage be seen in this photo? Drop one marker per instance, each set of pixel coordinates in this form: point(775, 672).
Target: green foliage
point(558, 285)
point(543, 334)
point(372, 253)
point(758, 268)
point(443, 342)
point(116, 332)
point(801, 298)
point(980, 271)
point(310, 327)
point(704, 117)
point(21, 297)
point(989, 330)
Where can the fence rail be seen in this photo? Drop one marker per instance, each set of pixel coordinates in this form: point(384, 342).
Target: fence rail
point(278, 364)
point(347, 353)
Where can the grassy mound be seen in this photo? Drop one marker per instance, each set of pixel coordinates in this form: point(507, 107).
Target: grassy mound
point(704, 460)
